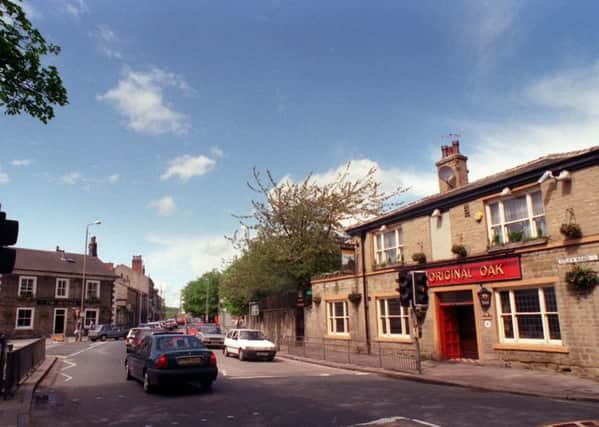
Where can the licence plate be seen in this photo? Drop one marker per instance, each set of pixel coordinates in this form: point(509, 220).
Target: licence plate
point(261, 353)
point(189, 361)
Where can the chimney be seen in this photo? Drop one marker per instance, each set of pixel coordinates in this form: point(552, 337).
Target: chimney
point(137, 264)
point(57, 248)
point(93, 247)
point(452, 169)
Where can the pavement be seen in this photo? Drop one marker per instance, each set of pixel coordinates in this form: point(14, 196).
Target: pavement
point(485, 378)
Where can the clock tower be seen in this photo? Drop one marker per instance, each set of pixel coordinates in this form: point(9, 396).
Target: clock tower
point(452, 169)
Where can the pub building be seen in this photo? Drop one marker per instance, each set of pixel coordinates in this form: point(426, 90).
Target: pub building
point(502, 255)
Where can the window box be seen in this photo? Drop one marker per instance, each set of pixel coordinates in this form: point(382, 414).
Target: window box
point(522, 244)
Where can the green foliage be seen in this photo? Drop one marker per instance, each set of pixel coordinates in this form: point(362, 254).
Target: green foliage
point(571, 230)
point(419, 257)
point(459, 250)
point(296, 233)
point(195, 293)
point(171, 312)
point(516, 235)
point(582, 280)
point(26, 85)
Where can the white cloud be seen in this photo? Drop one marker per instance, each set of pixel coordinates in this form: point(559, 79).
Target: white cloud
point(138, 97)
point(76, 8)
point(216, 152)
point(164, 206)
point(106, 39)
point(113, 179)
point(23, 162)
point(71, 178)
point(180, 259)
point(4, 179)
point(187, 166)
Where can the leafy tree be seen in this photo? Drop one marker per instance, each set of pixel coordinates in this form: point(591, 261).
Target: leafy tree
point(25, 84)
point(196, 291)
point(170, 312)
point(296, 230)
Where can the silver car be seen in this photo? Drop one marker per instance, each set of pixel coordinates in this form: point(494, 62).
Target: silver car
point(211, 335)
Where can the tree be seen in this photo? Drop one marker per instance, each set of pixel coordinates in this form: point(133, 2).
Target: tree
point(26, 85)
point(196, 291)
point(296, 231)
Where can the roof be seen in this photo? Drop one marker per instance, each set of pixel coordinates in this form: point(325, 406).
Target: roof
point(516, 176)
point(60, 262)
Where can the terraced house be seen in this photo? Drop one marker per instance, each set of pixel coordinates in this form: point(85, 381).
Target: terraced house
point(510, 258)
point(42, 296)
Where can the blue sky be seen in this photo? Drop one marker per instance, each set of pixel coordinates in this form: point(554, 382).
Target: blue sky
point(173, 103)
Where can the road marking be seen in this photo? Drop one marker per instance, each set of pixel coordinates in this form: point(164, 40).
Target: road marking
point(67, 377)
point(382, 421)
point(255, 377)
point(94, 345)
point(71, 364)
point(224, 372)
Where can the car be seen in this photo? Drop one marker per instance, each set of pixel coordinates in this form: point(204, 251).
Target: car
point(210, 335)
point(247, 344)
point(103, 332)
point(134, 337)
point(167, 359)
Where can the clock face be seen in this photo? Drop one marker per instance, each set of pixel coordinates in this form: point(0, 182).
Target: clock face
point(447, 175)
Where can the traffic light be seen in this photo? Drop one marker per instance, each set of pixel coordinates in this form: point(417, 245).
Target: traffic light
point(420, 288)
point(9, 230)
point(405, 289)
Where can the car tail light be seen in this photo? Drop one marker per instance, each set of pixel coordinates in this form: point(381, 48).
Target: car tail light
point(212, 359)
point(161, 362)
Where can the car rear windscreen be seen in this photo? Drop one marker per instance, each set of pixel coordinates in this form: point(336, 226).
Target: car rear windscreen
point(177, 342)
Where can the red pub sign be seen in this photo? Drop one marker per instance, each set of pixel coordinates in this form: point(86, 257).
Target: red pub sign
point(476, 272)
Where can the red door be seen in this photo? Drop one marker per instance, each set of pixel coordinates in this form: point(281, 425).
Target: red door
point(450, 332)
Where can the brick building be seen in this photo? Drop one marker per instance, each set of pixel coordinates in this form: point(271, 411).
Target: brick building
point(496, 263)
point(42, 296)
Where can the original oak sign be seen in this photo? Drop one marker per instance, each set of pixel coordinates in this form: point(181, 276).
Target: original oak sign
point(476, 272)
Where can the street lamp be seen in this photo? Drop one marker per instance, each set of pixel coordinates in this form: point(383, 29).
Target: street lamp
point(81, 320)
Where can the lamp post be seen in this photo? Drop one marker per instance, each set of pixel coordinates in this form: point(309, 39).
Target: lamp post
point(81, 320)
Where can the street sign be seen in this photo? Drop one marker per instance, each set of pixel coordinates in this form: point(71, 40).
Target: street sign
point(577, 259)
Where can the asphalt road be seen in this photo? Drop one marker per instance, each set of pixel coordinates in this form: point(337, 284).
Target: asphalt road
point(88, 387)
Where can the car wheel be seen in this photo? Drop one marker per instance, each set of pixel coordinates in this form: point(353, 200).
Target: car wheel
point(129, 377)
point(93, 339)
point(271, 358)
point(103, 338)
point(148, 387)
point(241, 355)
point(206, 385)
point(225, 352)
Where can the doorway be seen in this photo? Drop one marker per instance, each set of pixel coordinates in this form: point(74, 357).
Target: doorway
point(60, 321)
point(457, 326)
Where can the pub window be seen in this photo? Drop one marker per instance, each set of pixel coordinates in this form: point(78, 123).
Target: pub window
point(24, 318)
point(516, 218)
point(27, 286)
point(62, 288)
point(393, 318)
point(528, 316)
point(337, 318)
point(388, 246)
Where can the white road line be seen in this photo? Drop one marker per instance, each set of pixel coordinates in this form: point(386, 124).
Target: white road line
point(71, 364)
point(67, 377)
point(425, 423)
point(94, 345)
point(387, 420)
point(255, 377)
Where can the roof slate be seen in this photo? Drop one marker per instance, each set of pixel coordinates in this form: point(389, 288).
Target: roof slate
point(60, 262)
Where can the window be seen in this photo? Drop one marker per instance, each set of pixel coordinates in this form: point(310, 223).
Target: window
point(388, 246)
point(62, 288)
point(92, 289)
point(24, 318)
point(338, 318)
point(27, 286)
point(393, 318)
point(91, 315)
point(516, 218)
point(528, 316)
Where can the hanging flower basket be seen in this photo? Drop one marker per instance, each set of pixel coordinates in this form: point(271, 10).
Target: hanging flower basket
point(419, 257)
point(459, 250)
point(355, 297)
point(571, 230)
point(316, 299)
point(582, 280)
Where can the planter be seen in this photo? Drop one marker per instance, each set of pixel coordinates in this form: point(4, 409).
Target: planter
point(355, 297)
point(419, 257)
point(316, 299)
point(571, 231)
point(582, 280)
point(459, 250)
point(522, 244)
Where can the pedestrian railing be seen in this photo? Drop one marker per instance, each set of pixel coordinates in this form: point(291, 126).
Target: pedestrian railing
point(393, 356)
point(17, 364)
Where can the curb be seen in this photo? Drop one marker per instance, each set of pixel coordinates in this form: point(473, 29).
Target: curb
point(435, 381)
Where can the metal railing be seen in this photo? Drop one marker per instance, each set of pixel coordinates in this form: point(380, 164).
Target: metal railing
point(393, 356)
point(17, 364)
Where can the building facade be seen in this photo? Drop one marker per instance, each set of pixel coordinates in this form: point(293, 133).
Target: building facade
point(43, 294)
point(500, 255)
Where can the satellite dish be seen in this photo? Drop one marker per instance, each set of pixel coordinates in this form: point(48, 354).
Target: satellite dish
point(447, 175)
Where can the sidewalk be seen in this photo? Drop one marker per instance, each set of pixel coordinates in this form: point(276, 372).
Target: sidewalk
point(487, 378)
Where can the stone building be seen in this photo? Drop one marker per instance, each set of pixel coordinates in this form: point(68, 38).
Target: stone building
point(136, 299)
point(42, 296)
point(496, 252)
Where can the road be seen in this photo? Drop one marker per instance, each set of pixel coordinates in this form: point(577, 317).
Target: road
point(88, 387)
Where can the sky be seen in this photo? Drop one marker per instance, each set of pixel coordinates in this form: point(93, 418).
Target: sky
point(171, 105)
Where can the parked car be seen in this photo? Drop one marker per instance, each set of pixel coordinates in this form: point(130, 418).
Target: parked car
point(210, 335)
point(248, 343)
point(103, 332)
point(167, 358)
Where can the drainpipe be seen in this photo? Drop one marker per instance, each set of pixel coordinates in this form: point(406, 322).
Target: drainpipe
point(365, 289)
